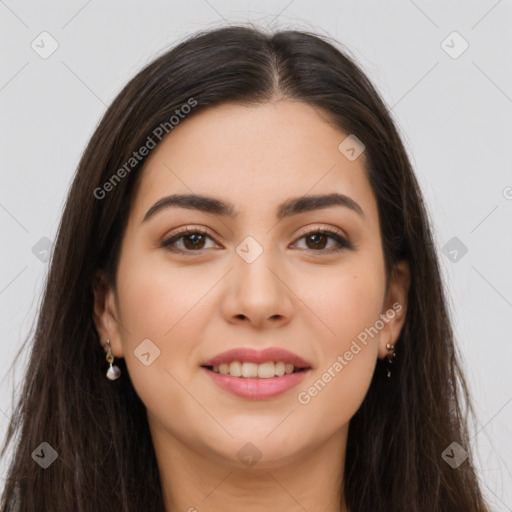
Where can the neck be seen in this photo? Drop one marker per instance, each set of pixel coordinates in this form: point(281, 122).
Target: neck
point(199, 481)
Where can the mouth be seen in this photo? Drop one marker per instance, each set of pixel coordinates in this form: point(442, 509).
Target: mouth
point(256, 375)
point(252, 364)
point(247, 370)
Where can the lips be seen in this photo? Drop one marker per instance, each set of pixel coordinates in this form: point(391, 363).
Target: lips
point(247, 355)
point(256, 375)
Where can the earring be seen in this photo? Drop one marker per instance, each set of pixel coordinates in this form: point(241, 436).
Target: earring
point(113, 372)
point(390, 356)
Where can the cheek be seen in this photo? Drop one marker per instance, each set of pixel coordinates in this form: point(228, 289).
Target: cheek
point(157, 297)
point(337, 387)
point(329, 400)
point(348, 303)
point(161, 304)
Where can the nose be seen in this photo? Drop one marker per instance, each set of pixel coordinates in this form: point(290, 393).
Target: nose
point(257, 293)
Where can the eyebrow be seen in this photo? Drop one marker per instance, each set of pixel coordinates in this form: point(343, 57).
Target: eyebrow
point(223, 208)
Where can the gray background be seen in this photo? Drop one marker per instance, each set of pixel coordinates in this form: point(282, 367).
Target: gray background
point(454, 114)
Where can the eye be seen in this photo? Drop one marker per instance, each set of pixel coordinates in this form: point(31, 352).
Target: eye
point(316, 240)
point(191, 240)
point(194, 240)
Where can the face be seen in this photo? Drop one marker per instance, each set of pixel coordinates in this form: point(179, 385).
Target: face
point(275, 280)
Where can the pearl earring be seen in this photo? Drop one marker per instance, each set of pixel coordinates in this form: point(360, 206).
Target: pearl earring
point(113, 372)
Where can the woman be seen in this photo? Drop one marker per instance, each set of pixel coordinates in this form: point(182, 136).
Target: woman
point(246, 245)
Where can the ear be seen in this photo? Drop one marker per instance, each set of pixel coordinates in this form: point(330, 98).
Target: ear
point(395, 306)
point(106, 315)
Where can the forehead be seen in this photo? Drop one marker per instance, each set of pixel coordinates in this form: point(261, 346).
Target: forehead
point(254, 155)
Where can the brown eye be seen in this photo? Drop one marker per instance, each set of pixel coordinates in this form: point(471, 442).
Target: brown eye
point(317, 241)
point(188, 240)
point(194, 241)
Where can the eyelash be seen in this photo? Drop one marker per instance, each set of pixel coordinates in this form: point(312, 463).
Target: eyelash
point(342, 242)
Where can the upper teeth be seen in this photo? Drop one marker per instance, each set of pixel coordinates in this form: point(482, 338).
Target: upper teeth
point(253, 370)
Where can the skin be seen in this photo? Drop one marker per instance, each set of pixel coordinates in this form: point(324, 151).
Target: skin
point(194, 306)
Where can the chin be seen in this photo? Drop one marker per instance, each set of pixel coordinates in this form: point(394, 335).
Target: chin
point(254, 448)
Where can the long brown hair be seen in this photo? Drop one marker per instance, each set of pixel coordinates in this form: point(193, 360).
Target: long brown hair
point(99, 429)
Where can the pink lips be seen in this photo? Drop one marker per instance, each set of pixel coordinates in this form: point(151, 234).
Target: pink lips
point(257, 389)
point(257, 356)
